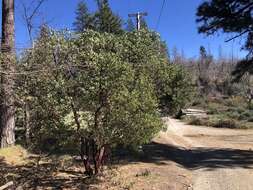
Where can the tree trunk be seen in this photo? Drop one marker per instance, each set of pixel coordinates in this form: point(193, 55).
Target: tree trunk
point(85, 155)
point(7, 79)
point(99, 159)
point(27, 125)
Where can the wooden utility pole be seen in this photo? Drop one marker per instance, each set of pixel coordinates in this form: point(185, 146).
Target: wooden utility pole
point(7, 109)
point(138, 18)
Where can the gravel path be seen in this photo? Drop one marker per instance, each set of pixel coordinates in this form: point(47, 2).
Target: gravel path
point(220, 159)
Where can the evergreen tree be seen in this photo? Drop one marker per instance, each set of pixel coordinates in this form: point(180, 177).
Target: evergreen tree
point(130, 25)
point(97, 91)
point(233, 16)
point(8, 64)
point(144, 24)
point(106, 20)
point(84, 20)
point(164, 49)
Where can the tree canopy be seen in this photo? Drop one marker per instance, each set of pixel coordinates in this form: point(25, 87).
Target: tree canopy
point(130, 25)
point(106, 20)
point(103, 20)
point(83, 20)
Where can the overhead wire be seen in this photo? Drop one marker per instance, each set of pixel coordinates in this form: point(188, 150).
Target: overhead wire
point(160, 14)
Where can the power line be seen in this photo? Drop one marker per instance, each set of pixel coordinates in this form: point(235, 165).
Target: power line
point(160, 15)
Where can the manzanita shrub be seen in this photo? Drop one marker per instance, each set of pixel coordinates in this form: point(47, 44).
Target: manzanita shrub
point(98, 90)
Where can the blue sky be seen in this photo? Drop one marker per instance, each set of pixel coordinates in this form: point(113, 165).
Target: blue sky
point(177, 25)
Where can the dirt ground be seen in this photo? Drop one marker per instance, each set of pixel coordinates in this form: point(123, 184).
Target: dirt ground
point(182, 158)
point(194, 158)
point(219, 159)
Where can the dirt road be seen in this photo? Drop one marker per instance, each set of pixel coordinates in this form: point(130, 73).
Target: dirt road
point(219, 159)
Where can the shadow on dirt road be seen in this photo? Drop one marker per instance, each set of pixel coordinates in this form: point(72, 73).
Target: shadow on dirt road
point(198, 158)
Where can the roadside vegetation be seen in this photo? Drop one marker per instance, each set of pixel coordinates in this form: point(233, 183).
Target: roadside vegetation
point(226, 86)
point(76, 101)
point(227, 102)
point(224, 113)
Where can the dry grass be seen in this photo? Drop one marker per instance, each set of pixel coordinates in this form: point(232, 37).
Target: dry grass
point(64, 172)
point(15, 155)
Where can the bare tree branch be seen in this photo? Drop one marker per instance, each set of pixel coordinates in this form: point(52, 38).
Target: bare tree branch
point(29, 17)
point(237, 36)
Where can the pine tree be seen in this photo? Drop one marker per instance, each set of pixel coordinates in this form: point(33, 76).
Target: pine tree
point(106, 20)
point(130, 25)
point(144, 24)
point(84, 20)
point(7, 114)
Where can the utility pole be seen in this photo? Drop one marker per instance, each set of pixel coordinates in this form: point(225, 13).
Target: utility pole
point(7, 114)
point(138, 19)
